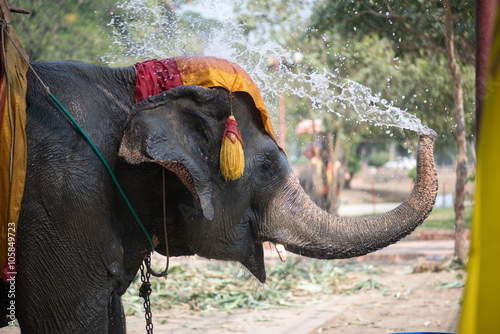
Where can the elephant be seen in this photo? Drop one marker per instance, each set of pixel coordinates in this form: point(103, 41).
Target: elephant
point(79, 246)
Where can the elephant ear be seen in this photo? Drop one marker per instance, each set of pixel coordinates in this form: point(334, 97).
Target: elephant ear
point(160, 130)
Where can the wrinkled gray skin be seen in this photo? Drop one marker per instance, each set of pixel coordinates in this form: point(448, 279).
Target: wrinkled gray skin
point(79, 247)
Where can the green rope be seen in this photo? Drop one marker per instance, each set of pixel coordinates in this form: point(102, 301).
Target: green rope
point(99, 155)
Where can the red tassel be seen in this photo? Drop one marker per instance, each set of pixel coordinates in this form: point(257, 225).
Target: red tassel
point(231, 130)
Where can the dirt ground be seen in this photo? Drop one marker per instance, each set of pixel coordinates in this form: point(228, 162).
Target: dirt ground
point(425, 301)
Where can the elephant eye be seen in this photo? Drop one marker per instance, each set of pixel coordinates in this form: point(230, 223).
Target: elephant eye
point(268, 165)
point(199, 127)
point(266, 170)
point(203, 131)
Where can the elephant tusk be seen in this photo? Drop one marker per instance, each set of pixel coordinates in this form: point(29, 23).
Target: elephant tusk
point(281, 252)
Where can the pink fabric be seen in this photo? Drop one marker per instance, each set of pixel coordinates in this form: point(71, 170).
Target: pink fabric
point(156, 76)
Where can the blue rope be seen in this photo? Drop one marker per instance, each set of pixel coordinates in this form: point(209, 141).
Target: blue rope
point(115, 180)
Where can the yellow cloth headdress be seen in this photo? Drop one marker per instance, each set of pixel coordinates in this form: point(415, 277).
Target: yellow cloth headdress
point(155, 76)
point(215, 72)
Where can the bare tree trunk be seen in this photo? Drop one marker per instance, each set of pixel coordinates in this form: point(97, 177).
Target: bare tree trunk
point(331, 185)
point(333, 191)
point(460, 245)
point(345, 166)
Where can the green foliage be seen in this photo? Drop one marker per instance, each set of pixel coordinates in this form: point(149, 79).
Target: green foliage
point(378, 159)
point(412, 174)
point(420, 86)
point(226, 286)
point(223, 286)
point(353, 163)
point(368, 284)
point(471, 177)
point(400, 57)
point(456, 264)
point(444, 218)
point(397, 48)
point(415, 27)
point(63, 29)
point(451, 285)
point(109, 32)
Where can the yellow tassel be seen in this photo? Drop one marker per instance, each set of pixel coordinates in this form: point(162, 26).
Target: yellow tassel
point(232, 160)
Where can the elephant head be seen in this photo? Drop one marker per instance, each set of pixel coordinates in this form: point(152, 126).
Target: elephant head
point(181, 130)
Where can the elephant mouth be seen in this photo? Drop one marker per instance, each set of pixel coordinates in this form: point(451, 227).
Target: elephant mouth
point(251, 256)
point(183, 175)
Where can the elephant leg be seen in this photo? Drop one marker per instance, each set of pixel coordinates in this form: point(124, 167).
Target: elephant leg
point(76, 303)
point(116, 316)
point(65, 285)
point(72, 305)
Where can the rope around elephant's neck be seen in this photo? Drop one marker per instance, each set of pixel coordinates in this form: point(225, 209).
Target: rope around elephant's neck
point(89, 141)
point(108, 168)
point(164, 273)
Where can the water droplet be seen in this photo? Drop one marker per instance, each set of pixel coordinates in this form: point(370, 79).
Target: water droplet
point(325, 90)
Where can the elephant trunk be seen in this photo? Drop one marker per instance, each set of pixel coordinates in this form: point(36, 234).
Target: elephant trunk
point(295, 221)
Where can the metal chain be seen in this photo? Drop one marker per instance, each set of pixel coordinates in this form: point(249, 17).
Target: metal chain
point(147, 271)
point(145, 292)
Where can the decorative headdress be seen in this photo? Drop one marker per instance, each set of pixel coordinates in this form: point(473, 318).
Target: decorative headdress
point(155, 76)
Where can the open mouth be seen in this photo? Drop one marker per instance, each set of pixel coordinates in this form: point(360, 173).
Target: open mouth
point(183, 175)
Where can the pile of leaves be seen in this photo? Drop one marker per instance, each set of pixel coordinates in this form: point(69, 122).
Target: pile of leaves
point(222, 286)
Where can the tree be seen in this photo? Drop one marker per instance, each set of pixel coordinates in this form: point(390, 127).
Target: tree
point(109, 32)
point(460, 246)
point(421, 30)
point(64, 29)
point(329, 56)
